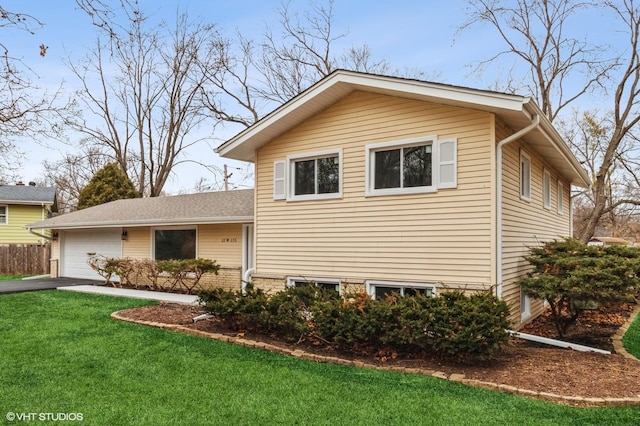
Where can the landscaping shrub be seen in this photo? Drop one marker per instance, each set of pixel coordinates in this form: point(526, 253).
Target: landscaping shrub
point(235, 310)
point(568, 273)
point(185, 274)
point(450, 324)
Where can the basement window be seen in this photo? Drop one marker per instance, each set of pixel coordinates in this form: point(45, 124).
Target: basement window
point(326, 283)
point(381, 289)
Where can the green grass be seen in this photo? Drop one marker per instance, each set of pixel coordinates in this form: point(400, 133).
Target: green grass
point(61, 353)
point(631, 339)
point(12, 277)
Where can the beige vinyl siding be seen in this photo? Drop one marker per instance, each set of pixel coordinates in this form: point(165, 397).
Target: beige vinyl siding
point(18, 216)
point(526, 223)
point(138, 243)
point(439, 237)
point(222, 243)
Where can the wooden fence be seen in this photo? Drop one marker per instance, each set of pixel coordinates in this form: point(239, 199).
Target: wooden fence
point(30, 259)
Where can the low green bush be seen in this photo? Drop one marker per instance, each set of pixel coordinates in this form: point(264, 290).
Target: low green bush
point(450, 324)
point(568, 274)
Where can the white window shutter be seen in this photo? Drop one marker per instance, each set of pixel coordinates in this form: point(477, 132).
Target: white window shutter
point(447, 163)
point(279, 187)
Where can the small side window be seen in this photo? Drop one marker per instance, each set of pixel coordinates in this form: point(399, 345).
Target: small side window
point(525, 176)
point(546, 189)
point(560, 198)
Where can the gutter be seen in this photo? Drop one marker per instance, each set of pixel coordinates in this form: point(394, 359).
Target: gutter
point(46, 237)
point(535, 123)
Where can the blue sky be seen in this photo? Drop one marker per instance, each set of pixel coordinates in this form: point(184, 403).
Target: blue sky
point(410, 34)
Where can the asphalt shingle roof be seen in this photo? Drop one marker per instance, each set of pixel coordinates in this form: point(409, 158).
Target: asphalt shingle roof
point(27, 194)
point(201, 208)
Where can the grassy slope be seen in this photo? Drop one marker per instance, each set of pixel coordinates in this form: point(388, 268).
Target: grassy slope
point(631, 339)
point(60, 352)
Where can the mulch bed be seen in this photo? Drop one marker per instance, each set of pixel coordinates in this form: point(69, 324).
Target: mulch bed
point(539, 369)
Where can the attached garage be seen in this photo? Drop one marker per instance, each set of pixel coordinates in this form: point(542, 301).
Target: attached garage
point(75, 244)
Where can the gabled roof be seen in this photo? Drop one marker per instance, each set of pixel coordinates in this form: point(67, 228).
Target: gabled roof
point(191, 209)
point(516, 111)
point(27, 194)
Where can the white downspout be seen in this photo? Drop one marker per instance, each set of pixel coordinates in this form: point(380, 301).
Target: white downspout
point(246, 279)
point(535, 122)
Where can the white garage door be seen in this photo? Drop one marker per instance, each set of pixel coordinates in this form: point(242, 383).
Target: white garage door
point(77, 243)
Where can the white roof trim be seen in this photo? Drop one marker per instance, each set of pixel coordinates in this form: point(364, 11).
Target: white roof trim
point(515, 110)
point(145, 223)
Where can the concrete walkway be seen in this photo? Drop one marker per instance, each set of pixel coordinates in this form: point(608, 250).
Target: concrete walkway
point(135, 294)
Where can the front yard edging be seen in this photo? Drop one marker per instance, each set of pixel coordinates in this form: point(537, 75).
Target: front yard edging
point(458, 378)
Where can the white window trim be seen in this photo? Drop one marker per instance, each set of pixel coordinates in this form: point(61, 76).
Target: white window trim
point(171, 228)
point(290, 181)
point(5, 215)
point(560, 198)
point(291, 281)
point(371, 286)
point(370, 151)
point(546, 189)
point(525, 156)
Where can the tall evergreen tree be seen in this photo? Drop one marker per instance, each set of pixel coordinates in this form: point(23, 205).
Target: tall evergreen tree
point(108, 184)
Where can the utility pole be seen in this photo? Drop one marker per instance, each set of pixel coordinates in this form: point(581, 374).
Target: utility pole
point(226, 178)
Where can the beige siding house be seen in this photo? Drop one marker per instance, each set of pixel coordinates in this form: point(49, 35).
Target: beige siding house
point(213, 225)
point(367, 182)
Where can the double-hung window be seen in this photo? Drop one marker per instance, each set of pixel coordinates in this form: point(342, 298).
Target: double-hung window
point(315, 175)
point(410, 166)
point(3, 215)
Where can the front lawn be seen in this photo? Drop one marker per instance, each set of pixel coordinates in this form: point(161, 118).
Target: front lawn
point(12, 277)
point(61, 353)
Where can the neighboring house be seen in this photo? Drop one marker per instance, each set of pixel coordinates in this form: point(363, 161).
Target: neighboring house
point(23, 204)
point(213, 225)
point(367, 182)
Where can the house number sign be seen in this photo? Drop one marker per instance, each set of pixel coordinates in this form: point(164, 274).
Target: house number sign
point(229, 240)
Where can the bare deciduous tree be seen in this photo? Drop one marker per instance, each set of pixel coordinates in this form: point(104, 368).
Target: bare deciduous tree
point(536, 33)
point(25, 110)
point(144, 86)
point(72, 173)
point(254, 76)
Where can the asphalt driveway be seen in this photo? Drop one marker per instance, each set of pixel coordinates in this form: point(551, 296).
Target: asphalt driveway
point(19, 286)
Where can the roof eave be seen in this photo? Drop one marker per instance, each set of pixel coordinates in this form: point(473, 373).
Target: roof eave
point(144, 223)
point(338, 85)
